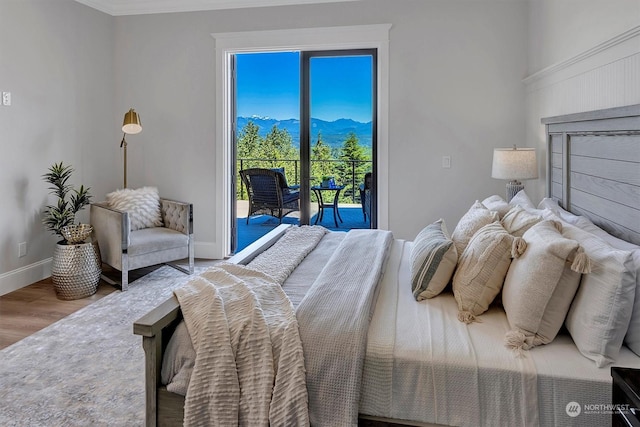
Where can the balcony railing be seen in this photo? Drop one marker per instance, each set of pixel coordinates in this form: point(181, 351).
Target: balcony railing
point(352, 173)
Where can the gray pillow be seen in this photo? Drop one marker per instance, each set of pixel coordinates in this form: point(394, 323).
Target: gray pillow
point(433, 260)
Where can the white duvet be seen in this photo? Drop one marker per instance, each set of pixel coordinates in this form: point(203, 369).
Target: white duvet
point(422, 364)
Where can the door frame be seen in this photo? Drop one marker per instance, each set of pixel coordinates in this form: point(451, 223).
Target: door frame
point(325, 38)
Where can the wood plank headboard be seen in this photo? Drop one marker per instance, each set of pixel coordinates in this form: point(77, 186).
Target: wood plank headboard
point(593, 167)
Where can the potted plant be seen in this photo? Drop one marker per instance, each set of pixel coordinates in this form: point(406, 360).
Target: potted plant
point(76, 267)
point(70, 202)
point(328, 182)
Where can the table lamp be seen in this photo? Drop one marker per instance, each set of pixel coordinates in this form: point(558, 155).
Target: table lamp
point(514, 164)
point(130, 126)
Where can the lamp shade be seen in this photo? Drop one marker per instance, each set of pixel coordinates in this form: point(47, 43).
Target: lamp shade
point(514, 163)
point(131, 124)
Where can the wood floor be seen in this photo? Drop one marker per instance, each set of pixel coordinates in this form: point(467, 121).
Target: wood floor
point(35, 307)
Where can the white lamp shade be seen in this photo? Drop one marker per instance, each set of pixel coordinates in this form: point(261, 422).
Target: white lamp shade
point(514, 163)
point(131, 124)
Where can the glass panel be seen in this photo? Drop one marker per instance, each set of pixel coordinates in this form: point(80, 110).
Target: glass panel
point(341, 139)
point(268, 137)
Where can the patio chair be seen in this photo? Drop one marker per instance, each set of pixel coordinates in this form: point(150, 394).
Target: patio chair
point(269, 193)
point(365, 196)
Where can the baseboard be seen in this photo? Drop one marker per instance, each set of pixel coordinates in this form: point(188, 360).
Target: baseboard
point(24, 276)
point(207, 250)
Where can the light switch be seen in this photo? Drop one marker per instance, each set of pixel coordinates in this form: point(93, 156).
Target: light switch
point(446, 162)
point(6, 98)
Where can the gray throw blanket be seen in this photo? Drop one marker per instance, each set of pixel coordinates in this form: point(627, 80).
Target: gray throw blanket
point(333, 320)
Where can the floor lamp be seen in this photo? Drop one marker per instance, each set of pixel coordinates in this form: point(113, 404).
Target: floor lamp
point(514, 164)
point(130, 126)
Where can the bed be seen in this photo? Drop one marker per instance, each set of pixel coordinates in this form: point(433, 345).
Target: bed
point(423, 366)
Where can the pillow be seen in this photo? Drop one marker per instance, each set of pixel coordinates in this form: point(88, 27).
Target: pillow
point(523, 200)
point(497, 204)
point(540, 286)
point(433, 258)
point(548, 203)
point(283, 180)
point(142, 204)
point(552, 209)
point(482, 268)
point(476, 217)
point(601, 310)
point(518, 220)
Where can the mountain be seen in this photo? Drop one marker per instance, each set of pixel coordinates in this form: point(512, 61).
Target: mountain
point(333, 133)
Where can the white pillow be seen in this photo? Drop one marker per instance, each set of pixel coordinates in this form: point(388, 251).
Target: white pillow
point(518, 220)
point(601, 310)
point(540, 286)
point(142, 204)
point(482, 268)
point(548, 203)
point(497, 204)
point(553, 210)
point(433, 259)
point(476, 217)
point(521, 199)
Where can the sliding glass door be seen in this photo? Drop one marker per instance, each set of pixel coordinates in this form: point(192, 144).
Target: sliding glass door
point(313, 115)
point(338, 136)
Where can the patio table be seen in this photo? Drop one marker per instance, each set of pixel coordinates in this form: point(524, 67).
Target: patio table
point(318, 190)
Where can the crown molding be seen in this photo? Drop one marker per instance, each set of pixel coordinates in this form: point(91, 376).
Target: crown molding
point(582, 57)
point(143, 7)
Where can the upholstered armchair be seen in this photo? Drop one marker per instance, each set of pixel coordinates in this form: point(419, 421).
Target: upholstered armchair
point(125, 249)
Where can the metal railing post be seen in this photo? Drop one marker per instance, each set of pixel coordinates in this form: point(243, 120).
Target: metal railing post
point(241, 183)
point(353, 181)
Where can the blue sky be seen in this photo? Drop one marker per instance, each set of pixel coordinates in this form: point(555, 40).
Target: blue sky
point(269, 85)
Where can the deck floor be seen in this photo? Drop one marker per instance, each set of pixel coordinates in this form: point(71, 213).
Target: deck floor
point(260, 225)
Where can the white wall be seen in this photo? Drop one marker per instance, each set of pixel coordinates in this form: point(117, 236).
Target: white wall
point(583, 55)
point(56, 59)
point(456, 89)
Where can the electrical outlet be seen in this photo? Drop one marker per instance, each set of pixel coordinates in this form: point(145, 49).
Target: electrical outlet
point(22, 249)
point(446, 162)
point(6, 98)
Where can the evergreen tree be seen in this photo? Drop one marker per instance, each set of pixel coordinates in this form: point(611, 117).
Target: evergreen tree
point(278, 147)
point(248, 149)
point(354, 164)
point(249, 141)
point(321, 156)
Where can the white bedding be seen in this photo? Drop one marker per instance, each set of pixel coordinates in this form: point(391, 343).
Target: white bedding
point(422, 364)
